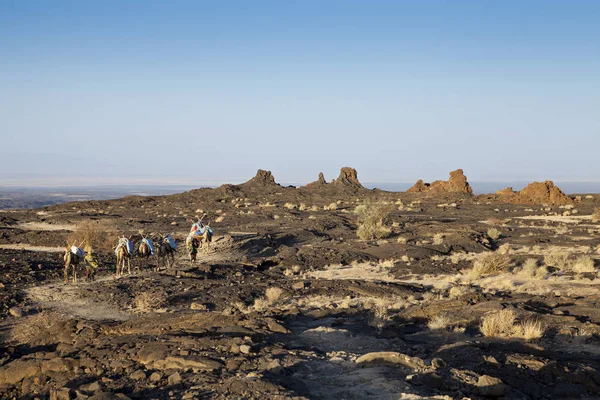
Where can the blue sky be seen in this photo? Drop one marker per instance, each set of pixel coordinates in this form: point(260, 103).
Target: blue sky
point(195, 91)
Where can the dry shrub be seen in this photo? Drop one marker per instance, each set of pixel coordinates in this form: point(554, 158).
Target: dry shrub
point(584, 264)
point(494, 233)
point(36, 326)
point(273, 294)
point(499, 324)
point(596, 215)
point(330, 207)
point(303, 207)
point(219, 219)
point(558, 259)
point(531, 329)
point(456, 292)
point(93, 233)
point(380, 317)
point(441, 321)
point(529, 268)
point(438, 239)
point(290, 206)
point(149, 300)
point(490, 263)
point(372, 220)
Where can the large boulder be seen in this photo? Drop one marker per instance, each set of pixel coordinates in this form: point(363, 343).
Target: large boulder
point(543, 192)
point(456, 184)
point(536, 193)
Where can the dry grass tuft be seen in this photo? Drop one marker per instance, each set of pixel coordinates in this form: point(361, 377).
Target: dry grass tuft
point(558, 259)
point(330, 207)
point(372, 220)
point(531, 329)
point(529, 268)
point(584, 264)
point(596, 215)
point(273, 294)
point(499, 324)
point(489, 264)
point(380, 317)
point(441, 321)
point(149, 300)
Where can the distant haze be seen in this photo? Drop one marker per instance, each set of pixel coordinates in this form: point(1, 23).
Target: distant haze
point(189, 92)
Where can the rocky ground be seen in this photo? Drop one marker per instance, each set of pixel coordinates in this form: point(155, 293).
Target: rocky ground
point(290, 303)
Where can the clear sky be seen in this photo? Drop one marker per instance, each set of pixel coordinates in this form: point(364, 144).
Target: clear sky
point(199, 91)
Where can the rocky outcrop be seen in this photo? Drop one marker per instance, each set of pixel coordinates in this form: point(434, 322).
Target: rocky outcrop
point(536, 193)
point(262, 178)
point(348, 178)
point(347, 181)
point(319, 182)
point(456, 184)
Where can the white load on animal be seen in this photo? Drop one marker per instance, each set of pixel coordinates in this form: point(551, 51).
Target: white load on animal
point(148, 241)
point(78, 251)
point(128, 245)
point(170, 241)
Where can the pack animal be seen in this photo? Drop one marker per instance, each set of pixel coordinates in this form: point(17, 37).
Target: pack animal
point(124, 256)
point(165, 251)
point(145, 249)
point(71, 262)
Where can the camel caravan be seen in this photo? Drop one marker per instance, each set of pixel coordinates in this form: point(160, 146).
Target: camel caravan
point(160, 246)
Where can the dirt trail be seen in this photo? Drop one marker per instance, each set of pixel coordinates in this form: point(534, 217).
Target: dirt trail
point(29, 247)
point(44, 226)
point(67, 298)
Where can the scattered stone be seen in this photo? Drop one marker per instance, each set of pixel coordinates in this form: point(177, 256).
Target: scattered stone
point(438, 363)
point(391, 357)
point(155, 377)
point(16, 312)
point(489, 386)
point(60, 394)
point(245, 349)
point(276, 327)
point(138, 375)
point(198, 306)
point(300, 285)
point(174, 379)
point(91, 387)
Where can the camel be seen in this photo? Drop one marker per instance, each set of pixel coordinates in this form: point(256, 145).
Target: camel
point(164, 250)
point(123, 256)
point(144, 250)
point(71, 261)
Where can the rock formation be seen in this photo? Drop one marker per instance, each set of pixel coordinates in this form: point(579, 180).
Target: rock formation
point(536, 193)
point(262, 178)
point(348, 178)
point(456, 184)
point(319, 182)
